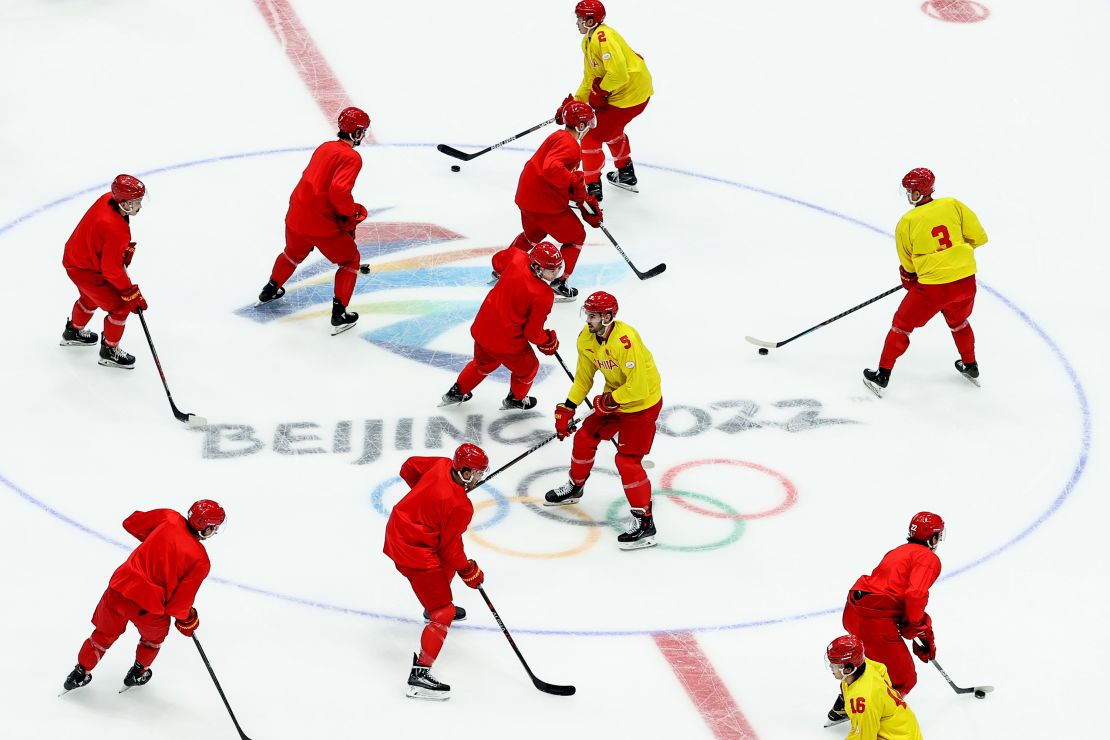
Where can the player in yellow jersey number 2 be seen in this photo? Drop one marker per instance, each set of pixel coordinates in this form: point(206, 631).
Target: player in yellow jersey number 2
point(876, 709)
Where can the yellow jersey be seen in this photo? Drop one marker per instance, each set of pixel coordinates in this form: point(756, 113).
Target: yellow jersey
point(623, 73)
point(626, 364)
point(938, 240)
point(876, 709)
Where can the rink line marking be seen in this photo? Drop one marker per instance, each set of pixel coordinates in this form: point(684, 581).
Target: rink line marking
point(703, 685)
point(307, 59)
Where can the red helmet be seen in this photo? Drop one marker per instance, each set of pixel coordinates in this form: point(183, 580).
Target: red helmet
point(470, 457)
point(352, 119)
point(576, 112)
point(204, 514)
point(126, 187)
point(600, 302)
point(591, 10)
point(546, 256)
point(924, 525)
point(919, 179)
point(845, 650)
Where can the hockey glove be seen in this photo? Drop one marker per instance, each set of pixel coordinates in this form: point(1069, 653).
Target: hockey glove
point(909, 279)
point(188, 625)
point(472, 575)
point(924, 647)
point(133, 299)
point(564, 416)
point(129, 254)
point(577, 188)
point(551, 346)
point(591, 211)
point(598, 98)
point(605, 405)
point(559, 113)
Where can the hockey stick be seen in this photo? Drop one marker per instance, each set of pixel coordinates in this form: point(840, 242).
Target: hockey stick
point(212, 673)
point(547, 688)
point(658, 269)
point(521, 456)
point(451, 151)
point(776, 345)
point(191, 419)
point(979, 691)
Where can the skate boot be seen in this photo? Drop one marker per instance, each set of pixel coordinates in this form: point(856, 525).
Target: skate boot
point(563, 292)
point(74, 337)
point(116, 357)
point(969, 370)
point(137, 675)
point(511, 403)
point(594, 189)
point(77, 678)
point(460, 614)
point(270, 292)
point(341, 318)
point(876, 380)
point(455, 396)
point(423, 685)
point(568, 493)
point(624, 177)
point(642, 533)
point(837, 714)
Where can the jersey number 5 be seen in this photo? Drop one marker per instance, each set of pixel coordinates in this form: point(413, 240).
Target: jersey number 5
point(626, 342)
point(858, 704)
point(941, 232)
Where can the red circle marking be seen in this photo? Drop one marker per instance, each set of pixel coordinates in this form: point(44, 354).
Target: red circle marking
point(956, 11)
point(791, 491)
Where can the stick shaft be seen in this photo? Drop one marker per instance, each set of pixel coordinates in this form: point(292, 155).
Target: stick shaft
point(451, 151)
point(839, 316)
point(158, 364)
point(219, 688)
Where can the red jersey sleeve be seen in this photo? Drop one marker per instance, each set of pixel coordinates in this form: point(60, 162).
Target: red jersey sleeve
point(924, 574)
point(181, 601)
point(142, 523)
point(111, 262)
point(414, 468)
point(537, 316)
point(450, 542)
point(342, 183)
point(503, 259)
point(561, 160)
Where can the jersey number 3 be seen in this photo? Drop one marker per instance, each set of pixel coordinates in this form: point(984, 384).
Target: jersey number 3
point(941, 233)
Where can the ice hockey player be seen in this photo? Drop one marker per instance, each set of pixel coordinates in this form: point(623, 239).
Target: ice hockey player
point(616, 82)
point(626, 409)
point(323, 215)
point(548, 181)
point(96, 259)
point(510, 320)
point(876, 709)
point(423, 538)
point(159, 580)
point(936, 243)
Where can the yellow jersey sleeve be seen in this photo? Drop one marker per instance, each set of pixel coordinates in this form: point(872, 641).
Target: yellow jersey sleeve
point(626, 364)
point(938, 240)
point(876, 710)
point(585, 370)
point(623, 72)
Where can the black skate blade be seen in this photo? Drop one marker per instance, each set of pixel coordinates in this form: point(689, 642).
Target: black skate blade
point(565, 299)
point(425, 695)
point(834, 722)
point(640, 544)
point(337, 330)
point(874, 388)
point(125, 688)
point(973, 381)
point(622, 186)
point(109, 363)
point(567, 502)
point(75, 343)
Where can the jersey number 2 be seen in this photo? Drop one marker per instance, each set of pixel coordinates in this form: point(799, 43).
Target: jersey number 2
point(858, 704)
point(941, 232)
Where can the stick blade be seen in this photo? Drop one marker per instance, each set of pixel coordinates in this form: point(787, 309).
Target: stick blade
point(197, 422)
point(451, 151)
point(984, 689)
point(657, 270)
point(555, 689)
point(760, 343)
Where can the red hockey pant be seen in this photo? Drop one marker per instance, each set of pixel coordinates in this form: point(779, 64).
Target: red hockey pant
point(636, 433)
point(874, 619)
point(609, 131)
point(522, 366)
point(95, 292)
point(432, 587)
point(921, 303)
point(564, 227)
point(110, 620)
point(339, 250)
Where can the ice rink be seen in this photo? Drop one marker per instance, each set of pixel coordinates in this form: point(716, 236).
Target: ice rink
point(769, 162)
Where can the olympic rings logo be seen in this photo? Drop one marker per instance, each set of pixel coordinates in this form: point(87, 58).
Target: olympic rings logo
point(576, 516)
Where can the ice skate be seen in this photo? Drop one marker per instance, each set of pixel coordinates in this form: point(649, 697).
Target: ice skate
point(460, 614)
point(494, 276)
point(563, 292)
point(568, 493)
point(341, 318)
point(77, 678)
point(455, 396)
point(594, 189)
point(642, 533)
point(624, 177)
point(270, 292)
point(423, 685)
point(876, 380)
point(137, 675)
point(969, 370)
point(116, 357)
point(837, 714)
point(511, 403)
point(74, 337)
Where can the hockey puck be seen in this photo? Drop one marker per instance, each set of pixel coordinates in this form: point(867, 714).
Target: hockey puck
point(980, 694)
point(763, 350)
point(455, 168)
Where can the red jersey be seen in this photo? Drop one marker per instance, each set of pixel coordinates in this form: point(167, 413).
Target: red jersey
point(425, 528)
point(905, 574)
point(544, 185)
point(164, 573)
point(98, 243)
point(321, 204)
point(515, 310)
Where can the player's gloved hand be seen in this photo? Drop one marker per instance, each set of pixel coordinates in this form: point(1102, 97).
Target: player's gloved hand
point(604, 404)
point(129, 254)
point(133, 299)
point(909, 279)
point(551, 345)
point(472, 575)
point(598, 98)
point(564, 415)
point(591, 211)
point(559, 113)
point(188, 625)
point(925, 646)
point(577, 189)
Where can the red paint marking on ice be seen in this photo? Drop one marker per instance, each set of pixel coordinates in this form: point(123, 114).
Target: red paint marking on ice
point(307, 58)
point(704, 686)
point(956, 11)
